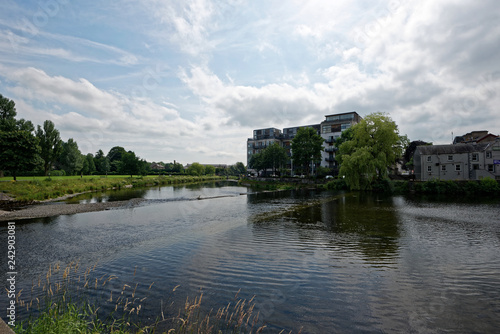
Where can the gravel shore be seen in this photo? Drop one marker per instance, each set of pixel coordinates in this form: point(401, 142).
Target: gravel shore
point(56, 209)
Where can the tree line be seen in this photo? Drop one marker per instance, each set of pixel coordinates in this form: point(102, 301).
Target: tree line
point(26, 150)
point(365, 152)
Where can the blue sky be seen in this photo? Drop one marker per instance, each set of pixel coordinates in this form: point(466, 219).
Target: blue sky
point(189, 80)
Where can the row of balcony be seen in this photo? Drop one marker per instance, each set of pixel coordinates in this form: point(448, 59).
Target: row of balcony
point(329, 149)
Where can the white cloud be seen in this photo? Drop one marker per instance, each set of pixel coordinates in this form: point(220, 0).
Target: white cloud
point(432, 65)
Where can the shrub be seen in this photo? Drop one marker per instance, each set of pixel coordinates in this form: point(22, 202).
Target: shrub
point(489, 185)
point(383, 186)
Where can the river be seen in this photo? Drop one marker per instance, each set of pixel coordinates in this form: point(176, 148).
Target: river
point(323, 261)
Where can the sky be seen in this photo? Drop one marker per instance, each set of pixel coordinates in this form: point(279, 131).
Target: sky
point(190, 80)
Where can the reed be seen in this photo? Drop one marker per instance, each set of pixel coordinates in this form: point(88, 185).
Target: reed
point(73, 300)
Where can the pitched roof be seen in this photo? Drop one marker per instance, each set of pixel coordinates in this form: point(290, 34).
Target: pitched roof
point(451, 149)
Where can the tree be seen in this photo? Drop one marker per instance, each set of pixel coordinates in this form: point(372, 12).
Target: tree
point(71, 159)
point(130, 164)
point(88, 164)
point(174, 167)
point(209, 170)
point(18, 151)
point(239, 168)
point(274, 156)
point(374, 147)
point(18, 146)
point(101, 163)
point(257, 162)
point(50, 144)
point(196, 169)
point(7, 114)
point(115, 158)
point(306, 148)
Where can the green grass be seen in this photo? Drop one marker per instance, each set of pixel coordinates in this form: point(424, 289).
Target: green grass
point(43, 188)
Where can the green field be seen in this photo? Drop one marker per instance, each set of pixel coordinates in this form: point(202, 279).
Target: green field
point(42, 188)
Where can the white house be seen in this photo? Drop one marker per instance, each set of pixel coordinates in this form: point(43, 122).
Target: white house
point(458, 161)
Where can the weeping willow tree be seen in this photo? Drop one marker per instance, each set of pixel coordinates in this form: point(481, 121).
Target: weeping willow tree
point(374, 146)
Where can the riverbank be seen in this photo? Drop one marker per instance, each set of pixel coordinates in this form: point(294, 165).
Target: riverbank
point(42, 189)
point(56, 209)
point(38, 198)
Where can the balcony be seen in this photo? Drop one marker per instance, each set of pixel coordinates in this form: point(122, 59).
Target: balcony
point(330, 159)
point(331, 149)
point(330, 140)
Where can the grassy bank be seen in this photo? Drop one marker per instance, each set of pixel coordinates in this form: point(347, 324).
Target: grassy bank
point(43, 188)
point(69, 300)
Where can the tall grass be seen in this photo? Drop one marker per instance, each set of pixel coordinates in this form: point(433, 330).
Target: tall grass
point(70, 300)
point(39, 189)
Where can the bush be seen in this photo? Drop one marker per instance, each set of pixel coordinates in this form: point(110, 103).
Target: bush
point(383, 186)
point(338, 184)
point(489, 185)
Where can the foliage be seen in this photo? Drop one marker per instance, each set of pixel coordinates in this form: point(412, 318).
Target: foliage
point(336, 184)
point(490, 186)
point(7, 114)
point(274, 156)
point(51, 144)
point(238, 169)
point(71, 158)
point(346, 135)
point(88, 164)
point(101, 163)
point(18, 151)
point(209, 170)
point(306, 148)
point(174, 167)
point(196, 169)
point(257, 162)
point(130, 164)
point(18, 145)
point(115, 156)
point(374, 147)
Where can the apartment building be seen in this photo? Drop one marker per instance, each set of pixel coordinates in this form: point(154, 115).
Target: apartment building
point(330, 129)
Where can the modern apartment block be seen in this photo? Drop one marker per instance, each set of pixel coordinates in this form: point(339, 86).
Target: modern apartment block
point(330, 129)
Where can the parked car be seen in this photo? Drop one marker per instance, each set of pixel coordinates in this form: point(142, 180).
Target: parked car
point(329, 177)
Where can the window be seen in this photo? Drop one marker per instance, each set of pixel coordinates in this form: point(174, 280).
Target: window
point(450, 158)
point(475, 166)
point(475, 157)
point(429, 169)
point(332, 118)
point(348, 116)
point(443, 168)
point(489, 155)
point(458, 168)
point(345, 126)
point(429, 158)
point(491, 168)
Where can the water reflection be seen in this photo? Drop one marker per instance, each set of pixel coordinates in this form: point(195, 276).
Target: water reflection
point(360, 223)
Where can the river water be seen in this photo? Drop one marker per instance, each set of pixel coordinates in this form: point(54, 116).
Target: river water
point(326, 262)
